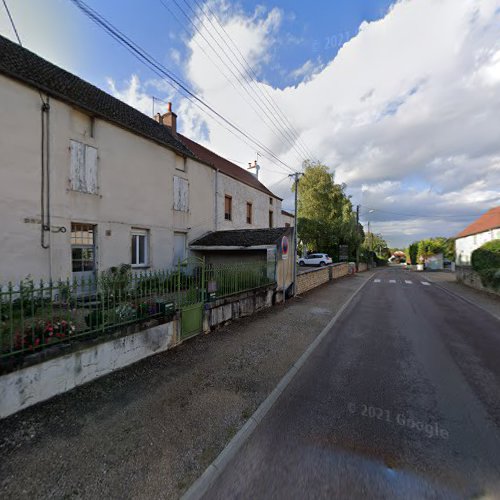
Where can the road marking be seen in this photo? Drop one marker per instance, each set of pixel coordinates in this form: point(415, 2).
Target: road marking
point(409, 282)
point(376, 281)
point(426, 283)
point(392, 281)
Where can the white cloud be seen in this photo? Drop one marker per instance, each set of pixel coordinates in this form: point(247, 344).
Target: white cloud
point(406, 113)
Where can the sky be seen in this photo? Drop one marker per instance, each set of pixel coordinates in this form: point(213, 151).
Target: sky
point(400, 99)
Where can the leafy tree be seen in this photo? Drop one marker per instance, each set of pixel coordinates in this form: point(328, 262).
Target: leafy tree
point(325, 213)
point(413, 252)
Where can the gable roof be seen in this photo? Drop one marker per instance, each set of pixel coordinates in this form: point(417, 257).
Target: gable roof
point(241, 237)
point(487, 221)
point(22, 64)
point(225, 166)
point(288, 214)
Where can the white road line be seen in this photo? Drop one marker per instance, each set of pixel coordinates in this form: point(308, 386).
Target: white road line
point(376, 281)
point(392, 281)
point(409, 282)
point(425, 283)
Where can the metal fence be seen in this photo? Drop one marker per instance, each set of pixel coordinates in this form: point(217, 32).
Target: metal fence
point(34, 315)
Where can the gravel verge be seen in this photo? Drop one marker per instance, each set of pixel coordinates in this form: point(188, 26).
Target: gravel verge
point(151, 429)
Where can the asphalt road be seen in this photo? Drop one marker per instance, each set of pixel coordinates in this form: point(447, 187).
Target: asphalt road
point(400, 400)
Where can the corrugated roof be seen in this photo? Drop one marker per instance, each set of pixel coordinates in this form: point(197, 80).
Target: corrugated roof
point(225, 166)
point(242, 237)
point(21, 64)
point(487, 221)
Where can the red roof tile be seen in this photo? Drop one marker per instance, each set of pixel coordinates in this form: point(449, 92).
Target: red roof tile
point(487, 221)
point(225, 166)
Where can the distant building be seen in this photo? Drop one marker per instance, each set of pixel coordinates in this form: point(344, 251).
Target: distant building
point(482, 230)
point(287, 218)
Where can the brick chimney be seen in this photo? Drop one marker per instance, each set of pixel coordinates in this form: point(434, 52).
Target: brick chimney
point(169, 119)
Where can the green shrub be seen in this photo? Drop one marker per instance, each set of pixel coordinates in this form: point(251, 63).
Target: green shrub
point(486, 256)
point(486, 261)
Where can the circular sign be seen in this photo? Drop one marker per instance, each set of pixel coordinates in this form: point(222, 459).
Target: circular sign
point(284, 247)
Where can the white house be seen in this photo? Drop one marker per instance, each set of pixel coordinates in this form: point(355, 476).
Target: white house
point(482, 230)
point(88, 182)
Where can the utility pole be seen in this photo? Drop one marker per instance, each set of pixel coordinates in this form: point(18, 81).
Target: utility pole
point(295, 176)
point(357, 231)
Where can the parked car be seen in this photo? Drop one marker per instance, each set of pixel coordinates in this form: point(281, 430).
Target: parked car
point(315, 259)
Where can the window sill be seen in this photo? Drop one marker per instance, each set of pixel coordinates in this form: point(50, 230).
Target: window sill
point(140, 266)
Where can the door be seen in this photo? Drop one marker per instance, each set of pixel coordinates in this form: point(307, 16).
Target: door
point(83, 257)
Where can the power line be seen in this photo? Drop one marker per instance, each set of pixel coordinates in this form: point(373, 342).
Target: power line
point(250, 71)
point(182, 25)
point(13, 24)
point(269, 120)
point(417, 216)
point(173, 79)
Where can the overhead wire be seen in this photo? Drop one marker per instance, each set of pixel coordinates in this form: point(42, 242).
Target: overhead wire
point(250, 71)
point(271, 121)
point(174, 81)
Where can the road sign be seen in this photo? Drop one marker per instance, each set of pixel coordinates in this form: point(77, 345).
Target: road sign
point(284, 247)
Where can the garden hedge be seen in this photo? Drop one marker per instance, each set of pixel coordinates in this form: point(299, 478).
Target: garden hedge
point(486, 261)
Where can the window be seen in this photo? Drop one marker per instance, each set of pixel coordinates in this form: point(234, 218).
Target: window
point(249, 213)
point(181, 194)
point(179, 247)
point(270, 218)
point(228, 207)
point(83, 170)
point(140, 241)
point(270, 201)
point(82, 248)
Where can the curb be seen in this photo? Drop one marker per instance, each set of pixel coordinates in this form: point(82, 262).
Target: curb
point(455, 294)
point(212, 472)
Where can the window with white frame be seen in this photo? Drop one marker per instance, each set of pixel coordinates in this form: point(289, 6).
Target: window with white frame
point(83, 168)
point(181, 194)
point(140, 247)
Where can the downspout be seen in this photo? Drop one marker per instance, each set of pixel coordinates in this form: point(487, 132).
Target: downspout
point(216, 197)
point(45, 181)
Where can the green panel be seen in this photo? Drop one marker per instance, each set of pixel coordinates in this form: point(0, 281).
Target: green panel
point(191, 320)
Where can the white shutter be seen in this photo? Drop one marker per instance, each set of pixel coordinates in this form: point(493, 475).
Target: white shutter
point(77, 170)
point(83, 169)
point(181, 194)
point(90, 170)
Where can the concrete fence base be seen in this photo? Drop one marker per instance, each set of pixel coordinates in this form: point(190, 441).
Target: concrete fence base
point(44, 378)
point(33, 384)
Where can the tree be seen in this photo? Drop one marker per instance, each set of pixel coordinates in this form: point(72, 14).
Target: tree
point(325, 215)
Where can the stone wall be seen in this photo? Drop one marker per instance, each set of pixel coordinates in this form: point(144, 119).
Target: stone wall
point(237, 306)
point(307, 280)
point(469, 277)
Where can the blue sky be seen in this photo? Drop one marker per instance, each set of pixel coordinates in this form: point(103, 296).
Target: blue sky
point(310, 30)
point(400, 99)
